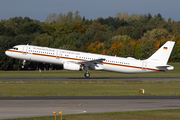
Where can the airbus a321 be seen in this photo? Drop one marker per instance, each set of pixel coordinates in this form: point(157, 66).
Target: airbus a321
point(74, 60)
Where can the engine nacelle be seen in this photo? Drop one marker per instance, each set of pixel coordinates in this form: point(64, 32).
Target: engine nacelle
point(72, 66)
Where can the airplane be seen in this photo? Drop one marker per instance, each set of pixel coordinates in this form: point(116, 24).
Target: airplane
point(74, 60)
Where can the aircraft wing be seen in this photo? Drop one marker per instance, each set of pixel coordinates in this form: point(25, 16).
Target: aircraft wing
point(92, 62)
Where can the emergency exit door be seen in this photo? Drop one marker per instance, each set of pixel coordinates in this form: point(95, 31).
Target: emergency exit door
point(58, 54)
point(25, 50)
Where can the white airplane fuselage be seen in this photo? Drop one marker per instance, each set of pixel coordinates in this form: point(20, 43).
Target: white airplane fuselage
point(74, 60)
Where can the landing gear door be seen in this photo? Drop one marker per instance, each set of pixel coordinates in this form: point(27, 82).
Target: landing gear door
point(144, 66)
point(25, 50)
point(58, 54)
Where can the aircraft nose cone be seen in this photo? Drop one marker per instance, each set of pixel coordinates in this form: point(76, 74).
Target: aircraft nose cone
point(9, 53)
point(6, 52)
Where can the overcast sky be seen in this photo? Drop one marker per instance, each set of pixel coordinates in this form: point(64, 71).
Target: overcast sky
point(91, 9)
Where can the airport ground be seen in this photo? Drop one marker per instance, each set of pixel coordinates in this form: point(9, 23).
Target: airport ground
point(104, 96)
point(110, 92)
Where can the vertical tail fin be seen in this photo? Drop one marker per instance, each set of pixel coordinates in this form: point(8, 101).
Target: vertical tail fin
point(162, 54)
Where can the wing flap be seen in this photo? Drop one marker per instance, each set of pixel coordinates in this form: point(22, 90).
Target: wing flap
point(93, 64)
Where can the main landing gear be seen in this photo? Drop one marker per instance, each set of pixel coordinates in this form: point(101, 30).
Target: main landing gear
point(87, 75)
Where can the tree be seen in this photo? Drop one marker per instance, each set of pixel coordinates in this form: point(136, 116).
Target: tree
point(121, 38)
point(78, 27)
point(95, 32)
point(48, 28)
point(77, 17)
point(96, 47)
point(96, 26)
point(61, 29)
point(28, 28)
point(157, 34)
point(136, 32)
point(5, 43)
point(21, 39)
point(148, 48)
point(158, 16)
point(124, 16)
point(2, 28)
point(61, 18)
point(116, 48)
point(51, 18)
point(43, 40)
point(149, 16)
point(69, 17)
point(26, 20)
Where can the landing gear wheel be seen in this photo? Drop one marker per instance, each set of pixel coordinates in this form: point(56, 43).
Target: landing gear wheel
point(87, 75)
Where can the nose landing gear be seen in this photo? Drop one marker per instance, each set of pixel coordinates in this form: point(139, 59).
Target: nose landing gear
point(24, 62)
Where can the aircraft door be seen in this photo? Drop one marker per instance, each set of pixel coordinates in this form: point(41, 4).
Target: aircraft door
point(144, 65)
point(25, 50)
point(58, 54)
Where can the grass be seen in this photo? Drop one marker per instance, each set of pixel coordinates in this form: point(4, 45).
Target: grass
point(136, 115)
point(65, 73)
point(87, 88)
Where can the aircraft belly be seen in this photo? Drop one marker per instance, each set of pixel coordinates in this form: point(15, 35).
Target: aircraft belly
point(124, 69)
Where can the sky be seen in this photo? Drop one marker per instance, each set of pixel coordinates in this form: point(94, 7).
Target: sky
point(91, 9)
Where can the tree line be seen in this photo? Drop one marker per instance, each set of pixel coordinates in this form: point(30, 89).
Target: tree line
point(124, 35)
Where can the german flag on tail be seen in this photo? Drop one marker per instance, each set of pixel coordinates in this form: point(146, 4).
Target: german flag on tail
point(165, 48)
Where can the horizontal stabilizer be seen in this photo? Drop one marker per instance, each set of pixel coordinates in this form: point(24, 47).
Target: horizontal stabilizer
point(165, 67)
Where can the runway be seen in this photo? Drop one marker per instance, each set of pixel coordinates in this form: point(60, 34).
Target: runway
point(95, 79)
point(19, 107)
point(12, 107)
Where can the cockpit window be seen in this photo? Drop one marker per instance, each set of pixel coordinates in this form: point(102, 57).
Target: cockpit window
point(15, 48)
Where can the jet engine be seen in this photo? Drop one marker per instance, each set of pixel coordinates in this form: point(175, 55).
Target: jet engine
point(72, 66)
